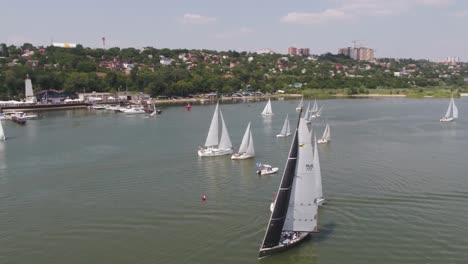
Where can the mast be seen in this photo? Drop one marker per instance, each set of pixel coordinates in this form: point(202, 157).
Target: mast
point(278, 216)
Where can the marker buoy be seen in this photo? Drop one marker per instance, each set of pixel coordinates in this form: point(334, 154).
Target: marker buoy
point(203, 197)
point(188, 106)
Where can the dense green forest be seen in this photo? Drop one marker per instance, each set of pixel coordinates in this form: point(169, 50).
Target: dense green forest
point(179, 72)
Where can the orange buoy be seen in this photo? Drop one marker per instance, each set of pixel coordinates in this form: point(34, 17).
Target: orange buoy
point(188, 106)
point(203, 197)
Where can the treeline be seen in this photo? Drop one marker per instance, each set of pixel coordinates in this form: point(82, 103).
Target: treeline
point(83, 69)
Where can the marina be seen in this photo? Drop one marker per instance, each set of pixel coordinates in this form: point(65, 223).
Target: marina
point(119, 188)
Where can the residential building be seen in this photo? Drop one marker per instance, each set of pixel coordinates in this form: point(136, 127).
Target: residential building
point(292, 51)
point(303, 52)
point(361, 53)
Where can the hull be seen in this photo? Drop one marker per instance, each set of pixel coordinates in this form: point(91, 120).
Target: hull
point(447, 119)
point(320, 201)
point(238, 156)
point(267, 172)
point(213, 152)
point(264, 252)
point(268, 114)
point(322, 141)
point(281, 135)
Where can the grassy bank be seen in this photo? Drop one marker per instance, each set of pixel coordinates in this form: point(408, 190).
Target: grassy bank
point(432, 92)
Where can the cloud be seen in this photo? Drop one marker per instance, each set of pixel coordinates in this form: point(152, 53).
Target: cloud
point(315, 18)
point(238, 33)
point(352, 9)
point(461, 14)
point(196, 19)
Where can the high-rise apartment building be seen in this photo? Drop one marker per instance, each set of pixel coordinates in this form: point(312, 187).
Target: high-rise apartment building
point(303, 51)
point(292, 51)
point(362, 53)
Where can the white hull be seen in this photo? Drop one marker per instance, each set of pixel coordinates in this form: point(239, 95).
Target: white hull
point(322, 141)
point(298, 109)
point(213, 152)
point(268, 114)
point(272, 206)
point(447, 119)
point(281, 135)
point(239, 156)
point(134, 112)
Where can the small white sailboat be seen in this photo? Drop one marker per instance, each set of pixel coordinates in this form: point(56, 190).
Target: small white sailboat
point(246, 149)
point(308, 114)
point(215, 146)
point(286, 130)
point(318, 114)
point(314, 107)
point(452, 112)
point(300, 105)
point(267, 110)
point(134, 111)
point(295, 210)
point(2, 132)
point(155, 111)
point(326, 135)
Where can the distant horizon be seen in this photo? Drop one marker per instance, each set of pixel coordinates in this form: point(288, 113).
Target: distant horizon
point(418, 29)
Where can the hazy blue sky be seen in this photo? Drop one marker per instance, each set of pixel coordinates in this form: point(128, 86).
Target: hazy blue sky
point(430, 29)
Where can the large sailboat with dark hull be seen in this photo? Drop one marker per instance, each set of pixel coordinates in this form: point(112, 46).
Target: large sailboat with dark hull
point(294, 216)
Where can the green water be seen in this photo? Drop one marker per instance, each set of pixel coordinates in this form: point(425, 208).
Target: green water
point(98, 187)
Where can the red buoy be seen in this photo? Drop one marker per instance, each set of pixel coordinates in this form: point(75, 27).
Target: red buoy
point(203, 197)
point(188, 106)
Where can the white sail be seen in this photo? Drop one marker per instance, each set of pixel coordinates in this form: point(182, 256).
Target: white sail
point(307, 112)
point(225, 141)
point(302, 210)
point(245, 140)
point(250, 149)
point(212, 137)
point(301, 104)
point(284, 130)
point(449, 109)
point(326, 133)
point(2, 133)
point(318, 173)
point(314, 107)
point(288, 130)
point(267, 110)
point(455, 110)
point(319, 112)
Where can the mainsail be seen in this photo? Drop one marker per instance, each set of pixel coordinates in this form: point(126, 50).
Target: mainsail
point(455, 109)
point(301, 104)
point(307, 112)
point(449, 109)
point(314, 107)
point(245, 140)
point(284, 130)
point(212, 137)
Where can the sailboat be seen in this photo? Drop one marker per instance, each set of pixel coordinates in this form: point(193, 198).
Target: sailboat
point(314, 107)
point(452, 112)
point(318, 114)
point(2, 133)
point(326, 135)
point(215, 146)
point(246, 149)
point(286, 131)
point(267, 110)
point(300, 105)
point(294, 214)
point(155, 111)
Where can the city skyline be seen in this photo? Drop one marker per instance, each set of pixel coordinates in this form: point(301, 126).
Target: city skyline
point(420, 29)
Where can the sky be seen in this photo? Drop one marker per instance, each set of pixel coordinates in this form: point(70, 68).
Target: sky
point(420, 29)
